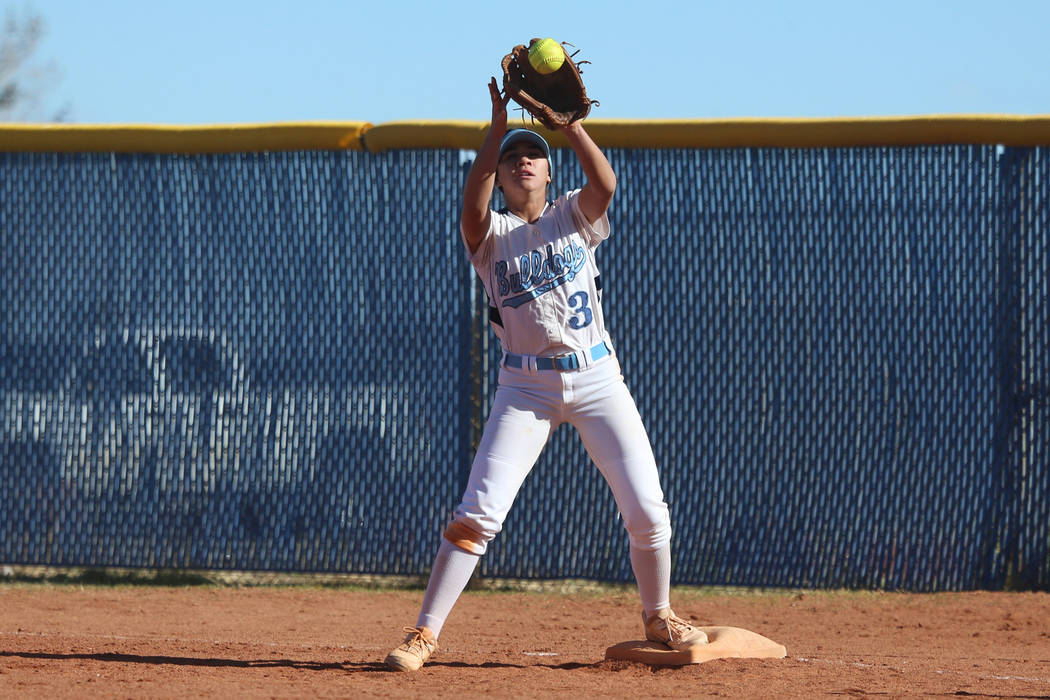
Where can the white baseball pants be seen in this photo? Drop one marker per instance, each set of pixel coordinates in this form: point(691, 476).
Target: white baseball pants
point(528, 406)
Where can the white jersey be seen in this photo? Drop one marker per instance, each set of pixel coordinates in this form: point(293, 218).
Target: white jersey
point(542, 279)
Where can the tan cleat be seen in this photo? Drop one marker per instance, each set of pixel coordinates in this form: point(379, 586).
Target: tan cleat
point(414, 652)
point(667, 628)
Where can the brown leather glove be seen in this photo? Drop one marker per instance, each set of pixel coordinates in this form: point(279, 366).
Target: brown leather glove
point(556, 99)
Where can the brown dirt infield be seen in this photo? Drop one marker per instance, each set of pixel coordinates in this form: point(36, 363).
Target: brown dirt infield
point(135, 641)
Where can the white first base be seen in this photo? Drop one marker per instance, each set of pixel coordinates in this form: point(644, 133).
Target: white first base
point(722, 643)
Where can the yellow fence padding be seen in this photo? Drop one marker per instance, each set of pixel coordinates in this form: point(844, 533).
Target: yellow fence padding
point(425, 134)
point(1007, 130)
point(218, 138)
point(731, 133)
point(825, 132)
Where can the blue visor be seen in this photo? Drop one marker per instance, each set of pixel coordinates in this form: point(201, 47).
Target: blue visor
point(515, 135)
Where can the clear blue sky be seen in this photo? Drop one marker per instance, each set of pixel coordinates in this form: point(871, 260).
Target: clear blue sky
point(234, 61)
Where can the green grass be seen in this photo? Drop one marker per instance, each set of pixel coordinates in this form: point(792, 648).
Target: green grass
point(113, 576)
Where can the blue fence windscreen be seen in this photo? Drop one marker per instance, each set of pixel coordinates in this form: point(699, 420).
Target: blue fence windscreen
point(280, 361)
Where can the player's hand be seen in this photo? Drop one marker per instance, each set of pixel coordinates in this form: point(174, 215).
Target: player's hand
point(499, 106)
point(574, 127)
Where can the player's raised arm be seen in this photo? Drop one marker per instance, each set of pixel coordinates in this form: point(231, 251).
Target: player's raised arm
point(597, 192)
point(477, 192)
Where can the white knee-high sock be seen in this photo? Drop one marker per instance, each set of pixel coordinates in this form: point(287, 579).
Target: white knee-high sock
point(652, 570)
point(449, 576)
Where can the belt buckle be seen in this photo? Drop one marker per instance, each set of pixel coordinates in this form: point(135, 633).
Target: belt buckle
point(573, 362)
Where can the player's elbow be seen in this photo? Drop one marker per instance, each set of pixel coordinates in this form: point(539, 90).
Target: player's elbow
point(473, 229)
point(596, 196)
point(605, 186)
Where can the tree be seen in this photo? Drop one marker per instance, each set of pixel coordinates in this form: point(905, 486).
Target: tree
point(23, 83)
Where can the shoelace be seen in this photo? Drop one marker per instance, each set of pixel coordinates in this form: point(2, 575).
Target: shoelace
point(418, 641)
point(677, 627)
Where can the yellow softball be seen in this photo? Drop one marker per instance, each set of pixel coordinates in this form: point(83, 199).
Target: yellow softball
point(546, 55)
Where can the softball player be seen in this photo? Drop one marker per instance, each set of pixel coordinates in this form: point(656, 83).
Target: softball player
point(536, 259)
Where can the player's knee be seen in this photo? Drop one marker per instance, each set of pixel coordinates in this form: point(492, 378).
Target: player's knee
point(465, 537)
point(649, 530)
point(650, 540)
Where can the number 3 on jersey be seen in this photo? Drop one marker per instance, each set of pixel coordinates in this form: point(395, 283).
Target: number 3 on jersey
point(583, 316)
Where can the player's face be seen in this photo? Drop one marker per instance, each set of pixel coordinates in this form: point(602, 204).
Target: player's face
point(523, 165)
